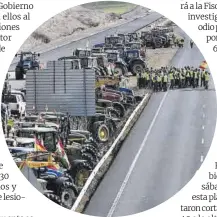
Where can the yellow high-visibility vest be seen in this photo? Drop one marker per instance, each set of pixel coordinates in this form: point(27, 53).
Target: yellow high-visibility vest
point(207, 77)
point(171, 76)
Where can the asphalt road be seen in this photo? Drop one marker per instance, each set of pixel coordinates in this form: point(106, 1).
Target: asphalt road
point(95, 39)
point(163, 151)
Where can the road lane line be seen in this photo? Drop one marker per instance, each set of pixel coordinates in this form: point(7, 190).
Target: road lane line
point(204, 115)
point(203, 127)
point(120, 192)
point(201, 158)
point(202, 141)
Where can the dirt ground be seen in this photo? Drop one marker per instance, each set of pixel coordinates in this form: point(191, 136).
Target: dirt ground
point(75, 23)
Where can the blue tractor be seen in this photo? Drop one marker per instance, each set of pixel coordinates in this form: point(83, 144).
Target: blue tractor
point(28, 61)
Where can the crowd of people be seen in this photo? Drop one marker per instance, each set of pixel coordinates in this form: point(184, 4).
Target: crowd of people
point(164, 78)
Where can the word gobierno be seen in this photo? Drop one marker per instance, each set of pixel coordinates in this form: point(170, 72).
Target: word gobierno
point(15, 6)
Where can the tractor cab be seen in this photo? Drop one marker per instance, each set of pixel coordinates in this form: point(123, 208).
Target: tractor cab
point(113, 55)
point(28, 61)
point(134, 45)
point(97, 50)
point(113, 40)
point(124, 38)
point(82, 52)
point(88, 62)
point(47, 135)
point(133, 36)
point(75, 61)
point(132, 54)
point(102, 60)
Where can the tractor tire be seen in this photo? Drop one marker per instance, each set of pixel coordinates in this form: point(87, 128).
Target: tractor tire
point(68, 195)
point(120, 69)
point(89, 146)
point(112, 127)
point(90, 151)
point(101, 131)
point(131, 100)
point(82, 173)
point(89, 158)
point(120, 109)
point(136, 68)
point(56, 199)
point(113, 113)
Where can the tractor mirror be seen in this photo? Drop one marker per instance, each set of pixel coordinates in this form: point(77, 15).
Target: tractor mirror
point(16, 55)
point(38, 54)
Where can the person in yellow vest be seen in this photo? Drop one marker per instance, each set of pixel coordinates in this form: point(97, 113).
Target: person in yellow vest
point(195, 78)
point(144, 78)
point(139, 79)
point(171, 78)
point(177, 41)
point(206, 79)
point(153, 79)
point(192, 77)
point(198, 77)
point(148, 80)
point(165, 81)
point(176, 77)
point(187, 77)
point(10, 125)
point(202, 79)
point(159, 80)
point(182, 74)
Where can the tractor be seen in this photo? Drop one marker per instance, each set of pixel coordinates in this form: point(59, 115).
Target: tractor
point(81, 157)
point(28, 61)
point(56, 183)
point(129, 61)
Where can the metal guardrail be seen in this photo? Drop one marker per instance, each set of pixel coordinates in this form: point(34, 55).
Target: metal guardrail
point(128, 125)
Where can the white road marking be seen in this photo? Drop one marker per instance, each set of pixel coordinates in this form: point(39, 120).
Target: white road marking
point(204, 115)
point(201, 158)
point(115, 202)
point(203, 127)
point(202, 141)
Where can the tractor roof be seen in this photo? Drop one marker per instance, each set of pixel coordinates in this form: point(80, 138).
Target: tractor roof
point(38, 129)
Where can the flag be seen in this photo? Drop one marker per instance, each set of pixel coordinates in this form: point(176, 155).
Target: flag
point(39, 145)
point(62, 153)
point(204, 65)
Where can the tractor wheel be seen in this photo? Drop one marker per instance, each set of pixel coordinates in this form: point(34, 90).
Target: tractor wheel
point(114, 114)
point(56, 199)
point(83, 171)
point(136, 68)
point(89, 158)
point(91, 151)
point(131, 100)
point(102, 133)
point(68, 195)
point(120, 109)
point(91, 148)
point(120, 69)
point(112, 127)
